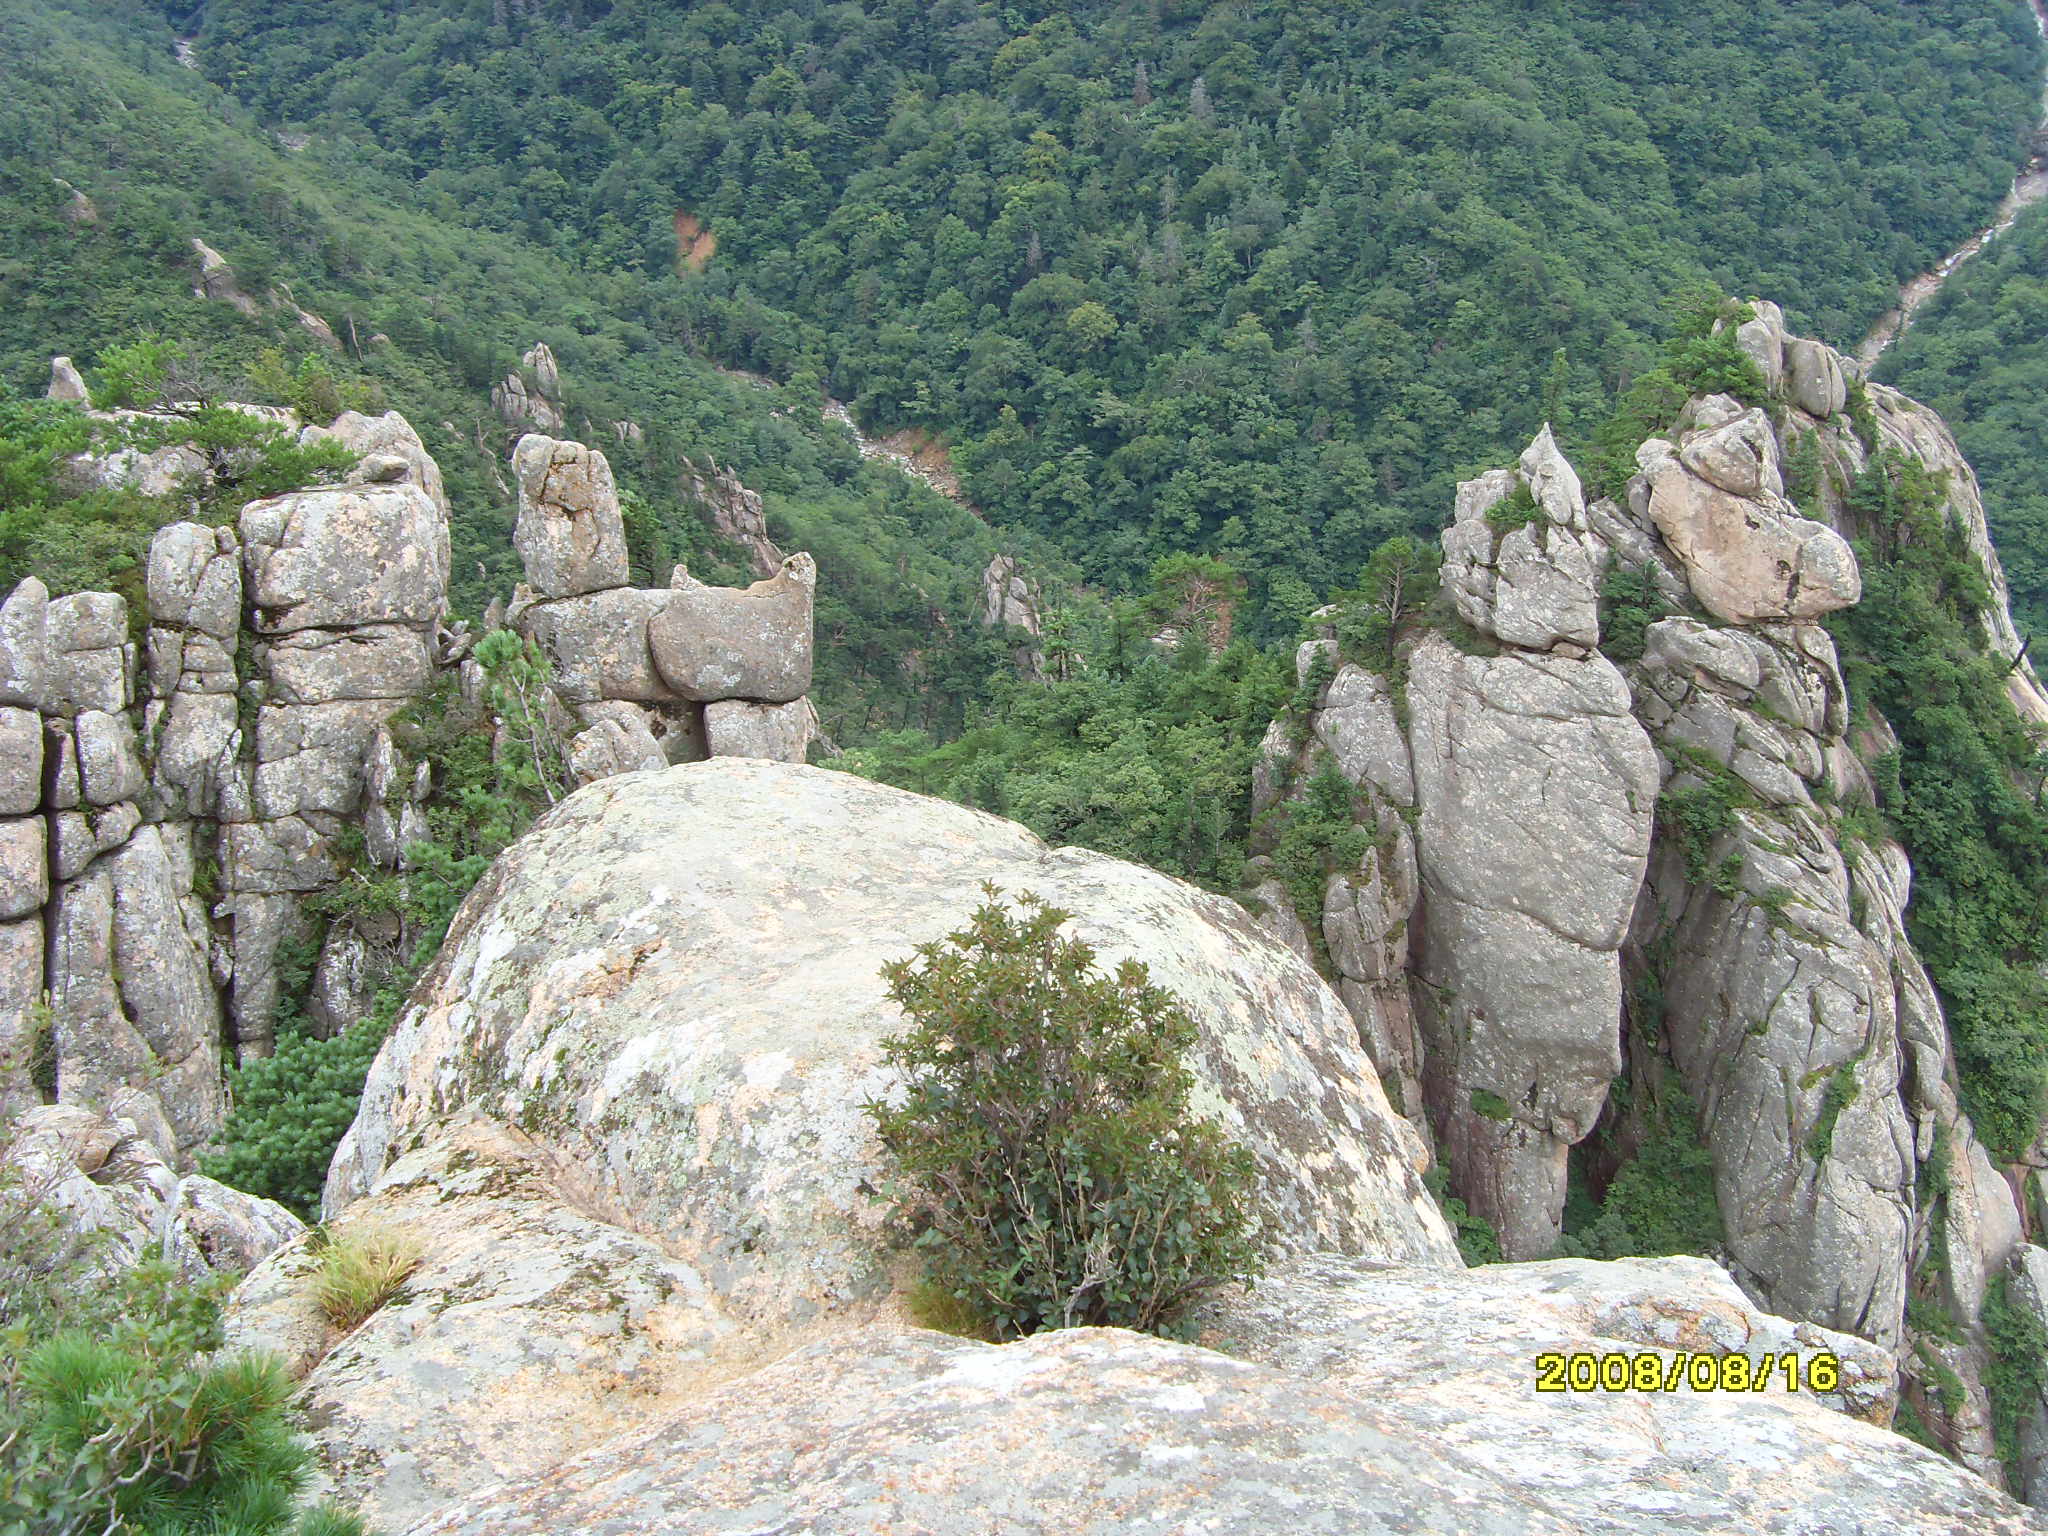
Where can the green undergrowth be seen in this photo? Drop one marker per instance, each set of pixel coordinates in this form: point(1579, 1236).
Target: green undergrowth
point(1962, 792)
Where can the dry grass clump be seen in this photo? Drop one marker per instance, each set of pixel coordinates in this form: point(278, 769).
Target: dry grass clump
point(360, 1269)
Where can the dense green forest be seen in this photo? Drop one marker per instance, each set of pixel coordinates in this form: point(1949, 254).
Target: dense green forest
point(1256, 279)
point(1978, 353)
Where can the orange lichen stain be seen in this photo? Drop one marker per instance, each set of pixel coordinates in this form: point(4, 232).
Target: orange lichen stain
point(695, 245)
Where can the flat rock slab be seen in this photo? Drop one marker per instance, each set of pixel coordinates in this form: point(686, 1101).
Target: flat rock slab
point(1086, 1432)
point(1451, 1359)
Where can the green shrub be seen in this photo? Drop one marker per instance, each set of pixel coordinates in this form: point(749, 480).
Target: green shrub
point(1517, 509)
point(1478, 1243)
point(1662, 1201)
point(1839, 1095)
point(137, 1423)
point(1045, 1152)
point(1629, 605)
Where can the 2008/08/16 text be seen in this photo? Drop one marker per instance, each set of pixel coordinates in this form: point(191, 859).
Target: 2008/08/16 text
point(1649, 1371)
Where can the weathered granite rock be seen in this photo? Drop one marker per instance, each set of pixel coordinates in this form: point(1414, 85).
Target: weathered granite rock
point(1815, 378)
point(195, 733)
point(389, 434)
point(195, 579)
point(613, 987)
point(534, 1328)
point(1762, 337)
point(1739, 456)
point(1536, 788)
point(1908, 426)
point(25, 645)
point(217, 279)
point(1536, 585)
point(1007, 597)
point(726, 643)
point(310, 757)
point(21, 989)
point(24, 866)
point(109, 766)
point(1451, 1360)
point(737, 513)
point(1372, 1400)
point(66, 383)
point(327, 666)
point(345, 555)
point(1749, 558)
point(90, 662)
point(79, 837)
point(104, 1176)
point(569, 534)
point(598, 644)
point(618, 737)
point(1083, 1432)
point(132, 993)
point(1782, 1015)
point(742, 728)
point(21, 761)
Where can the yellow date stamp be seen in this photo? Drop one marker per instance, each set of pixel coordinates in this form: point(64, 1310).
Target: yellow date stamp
point(1684, 1371)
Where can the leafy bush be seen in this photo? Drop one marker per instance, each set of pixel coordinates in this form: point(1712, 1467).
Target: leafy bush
point(360, 1269)
point(1478, 1243)
point(1629, 605)
point(1517, 509)
point(1045, 1152)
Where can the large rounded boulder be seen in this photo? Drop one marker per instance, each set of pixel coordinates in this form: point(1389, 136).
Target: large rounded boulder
point(674, 980)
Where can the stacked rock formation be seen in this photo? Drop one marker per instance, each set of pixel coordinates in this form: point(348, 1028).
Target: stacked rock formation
point(1545, 938)
point(653, 676)
point(169, 807)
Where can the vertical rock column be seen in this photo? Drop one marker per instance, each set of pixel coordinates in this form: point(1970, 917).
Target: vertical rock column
point(1536, 788)
point(132, 1019)
point(346, 588)
point(24, 839)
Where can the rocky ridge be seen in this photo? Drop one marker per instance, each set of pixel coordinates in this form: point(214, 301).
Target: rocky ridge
point(623, 1117)
point(1550, 913)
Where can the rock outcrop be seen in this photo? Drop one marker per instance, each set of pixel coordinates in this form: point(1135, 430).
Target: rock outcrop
point(1010, 600)
point(538, 1323)
point(736, 512)
point(531, 397)
point(1352, 1398)
point(169, 809)
point(104, 1176)
point(699, 670)
point(1763, 962)
point(668, 1053)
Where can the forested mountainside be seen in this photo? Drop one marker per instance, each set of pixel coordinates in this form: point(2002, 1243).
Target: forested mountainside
point(1248, 279)
point(1978, 353)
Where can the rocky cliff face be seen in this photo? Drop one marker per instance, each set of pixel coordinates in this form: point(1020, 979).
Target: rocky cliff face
point(1596, 876)
point(177, 785)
